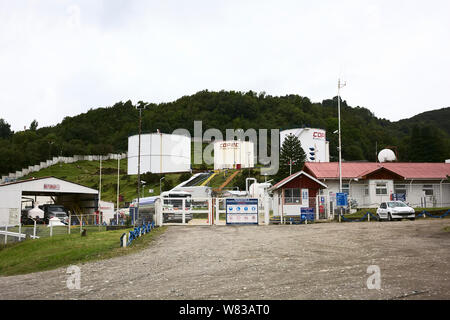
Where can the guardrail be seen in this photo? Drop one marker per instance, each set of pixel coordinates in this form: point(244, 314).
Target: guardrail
point(126, 239)
point(420, 215)
point(426, 213)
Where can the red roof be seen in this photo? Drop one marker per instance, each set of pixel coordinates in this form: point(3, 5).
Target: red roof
point(293, 176)
point(330, 170)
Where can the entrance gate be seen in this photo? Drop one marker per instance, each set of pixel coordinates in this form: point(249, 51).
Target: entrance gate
point(200, 211)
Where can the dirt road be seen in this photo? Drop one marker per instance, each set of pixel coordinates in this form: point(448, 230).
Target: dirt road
point(320, 261)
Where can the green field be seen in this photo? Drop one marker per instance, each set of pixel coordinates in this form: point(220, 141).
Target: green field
point(63, 250)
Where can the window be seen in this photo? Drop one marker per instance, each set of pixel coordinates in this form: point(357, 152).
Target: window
point(428, 189)
point(346, 188)
point(366, 190)
point(400, 188)
point(383, 205)
point(292, 195)
point(381, 189)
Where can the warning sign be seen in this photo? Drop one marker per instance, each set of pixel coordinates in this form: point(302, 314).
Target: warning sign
point(242, 211)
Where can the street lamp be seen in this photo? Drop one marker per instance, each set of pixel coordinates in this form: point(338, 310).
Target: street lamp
point(143, 188)
point(140, 106)
point(160, 184)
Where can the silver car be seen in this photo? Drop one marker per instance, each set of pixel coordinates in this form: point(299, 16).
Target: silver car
point(391, 210)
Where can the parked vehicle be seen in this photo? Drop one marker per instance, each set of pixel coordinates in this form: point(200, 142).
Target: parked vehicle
point(55, 210)
point(30, 212)
point(391, 210)
point(173, 206)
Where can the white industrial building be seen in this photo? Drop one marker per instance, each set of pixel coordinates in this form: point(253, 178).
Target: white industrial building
point(233, 154)
point(160, 153)
point(314, 143)
point(69, 194)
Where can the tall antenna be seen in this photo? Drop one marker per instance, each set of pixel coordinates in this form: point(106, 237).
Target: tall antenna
point(340, 85)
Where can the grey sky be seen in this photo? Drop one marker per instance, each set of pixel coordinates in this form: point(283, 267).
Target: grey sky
point(60, 58)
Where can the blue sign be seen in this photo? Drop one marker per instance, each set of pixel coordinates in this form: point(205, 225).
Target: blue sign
point(399, 197)
point(341, 199)
point(242, 211)
point(307, 214)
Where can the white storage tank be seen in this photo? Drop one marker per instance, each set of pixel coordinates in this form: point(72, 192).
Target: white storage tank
point(314, 143)
point(233, 154)
point(160, 153)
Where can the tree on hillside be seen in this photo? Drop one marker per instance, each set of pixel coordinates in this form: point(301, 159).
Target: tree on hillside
point(33, 125)
point(427, 145)
point(292, 157)
point(5, 129)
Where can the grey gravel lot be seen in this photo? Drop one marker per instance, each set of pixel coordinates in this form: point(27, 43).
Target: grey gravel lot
point(320, 261)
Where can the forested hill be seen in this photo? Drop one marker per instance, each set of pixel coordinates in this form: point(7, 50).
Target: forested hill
point(439, 118)
point(425, 137)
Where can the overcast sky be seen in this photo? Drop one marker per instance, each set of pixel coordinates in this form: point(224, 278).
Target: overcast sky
point(60, 58)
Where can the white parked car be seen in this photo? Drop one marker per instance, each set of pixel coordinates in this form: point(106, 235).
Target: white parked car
point(395, 210)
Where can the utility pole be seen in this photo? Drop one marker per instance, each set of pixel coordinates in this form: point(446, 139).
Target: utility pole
point(140, 107)
point(340, 85)
point(100, 182)
point(118, 181)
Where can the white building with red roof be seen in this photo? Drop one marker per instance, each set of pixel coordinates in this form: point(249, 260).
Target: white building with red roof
point(370, 183)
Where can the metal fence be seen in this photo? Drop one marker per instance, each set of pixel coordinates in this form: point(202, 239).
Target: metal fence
point(200, 211)
point(77, 223)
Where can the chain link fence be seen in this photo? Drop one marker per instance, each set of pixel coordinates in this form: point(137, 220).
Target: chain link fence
point(76, 224)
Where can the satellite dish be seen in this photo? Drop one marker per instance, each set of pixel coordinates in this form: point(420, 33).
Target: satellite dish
point(386, 155)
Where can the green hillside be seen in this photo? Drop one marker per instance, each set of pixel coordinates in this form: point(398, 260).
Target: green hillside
point(87, 173)
point(424, 137)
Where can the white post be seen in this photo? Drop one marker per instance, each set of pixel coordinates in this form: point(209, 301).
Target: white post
point(217, 210)
point(266, 211)
point(118, 182)
point(20, 231)
point(211, 210)
point(327, 199)
point(317, 207)
point(100, 183)
point(6, 234)
point(34, 229)
point(184, 211)
point(70, 222)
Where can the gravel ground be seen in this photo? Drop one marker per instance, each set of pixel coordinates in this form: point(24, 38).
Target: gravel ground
point(320, 261)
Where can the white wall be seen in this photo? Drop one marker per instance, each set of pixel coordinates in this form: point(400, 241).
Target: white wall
point(414, 192)
point(10, 207)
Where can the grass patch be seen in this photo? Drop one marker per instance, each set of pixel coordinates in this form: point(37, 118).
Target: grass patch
point(63, 250)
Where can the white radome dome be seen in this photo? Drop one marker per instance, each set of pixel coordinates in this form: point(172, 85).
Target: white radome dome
point(386, 155)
